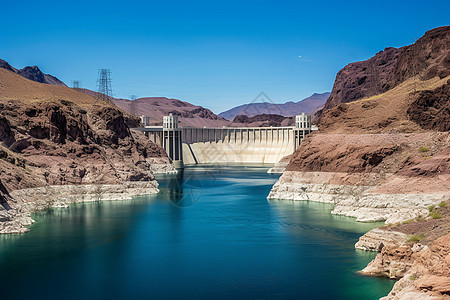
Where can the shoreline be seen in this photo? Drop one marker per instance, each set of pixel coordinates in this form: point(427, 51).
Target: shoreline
point(27, 201)
point(421, 269)
point(362, 202)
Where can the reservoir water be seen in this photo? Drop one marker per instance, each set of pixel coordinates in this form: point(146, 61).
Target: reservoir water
point(209, 234)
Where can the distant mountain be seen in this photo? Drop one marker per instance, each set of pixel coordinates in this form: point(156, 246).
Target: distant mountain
point(157, 107)
point(262, 120)
point(33, 73)
point(287, 109)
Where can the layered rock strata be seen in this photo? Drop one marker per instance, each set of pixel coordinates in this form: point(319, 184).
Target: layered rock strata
point(371, 177)
point(423, 270)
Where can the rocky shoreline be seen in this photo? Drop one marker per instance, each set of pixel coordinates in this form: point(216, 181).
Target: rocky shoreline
point(423, 271)
point(28, 201)
point(355, 201)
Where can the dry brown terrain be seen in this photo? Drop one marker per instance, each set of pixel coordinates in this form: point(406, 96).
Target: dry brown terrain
point(52, 135)
point(16, 87)
point(427, 58)
point(386, 125)
point(157, 107)
point(396, 163)
point(387, 112)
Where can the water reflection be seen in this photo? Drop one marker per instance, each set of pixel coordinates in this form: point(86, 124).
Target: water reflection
point(233, 243)
point(186, 188)
point(79, 226)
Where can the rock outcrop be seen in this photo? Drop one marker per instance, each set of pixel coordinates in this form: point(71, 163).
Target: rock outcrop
point(428, 57)
point(423, 270)
point(18, 219)
point(383, 154)
point(280, 166)
point(69, 143)
point(371, 177)
point(431, 108)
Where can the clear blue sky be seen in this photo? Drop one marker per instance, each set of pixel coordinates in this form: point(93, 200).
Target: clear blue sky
point(217, 54)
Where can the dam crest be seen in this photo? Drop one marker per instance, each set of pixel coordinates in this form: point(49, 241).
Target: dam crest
point(225, 145)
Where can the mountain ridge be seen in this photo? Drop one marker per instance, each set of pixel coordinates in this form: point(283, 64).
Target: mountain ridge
point(33, 73)
point(428, 57)
point(287, 109)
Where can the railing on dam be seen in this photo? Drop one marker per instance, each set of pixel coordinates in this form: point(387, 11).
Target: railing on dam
point(221, 145)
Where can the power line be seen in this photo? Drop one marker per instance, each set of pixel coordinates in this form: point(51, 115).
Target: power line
point(76, 84)
point(104, 88)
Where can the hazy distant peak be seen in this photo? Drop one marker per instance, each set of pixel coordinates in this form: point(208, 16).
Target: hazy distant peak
point(287, 109)
point(32, 73)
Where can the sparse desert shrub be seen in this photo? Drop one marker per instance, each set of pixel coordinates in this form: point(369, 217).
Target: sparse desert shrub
point(424, 149)
point(431, 207)
point(412, 277)
point(408, 221)
point(443, 204)
point(415, 237)
point(435, 215)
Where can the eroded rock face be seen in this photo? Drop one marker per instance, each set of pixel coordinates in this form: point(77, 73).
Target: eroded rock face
point(372, 177)
point(17, 219)
point(424, 270)
point(377, 238)
point(431, 109)
point(427, 58)
point(6, 134)
point(56, 152)
point(63, 143)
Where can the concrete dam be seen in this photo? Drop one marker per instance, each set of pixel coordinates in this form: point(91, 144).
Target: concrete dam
point(225, 145)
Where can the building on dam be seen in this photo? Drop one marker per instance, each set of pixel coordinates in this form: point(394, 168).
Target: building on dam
point(226, 145)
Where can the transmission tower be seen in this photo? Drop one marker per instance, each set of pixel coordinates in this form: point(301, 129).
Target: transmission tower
point(104, 85)
point(76, 84)
point(134, 110)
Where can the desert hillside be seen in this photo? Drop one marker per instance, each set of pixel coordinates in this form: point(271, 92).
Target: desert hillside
point(53, 135)
point(157, 107)
point(383, 154)
point(413, 106)
point(427, 58)
point(32, 73)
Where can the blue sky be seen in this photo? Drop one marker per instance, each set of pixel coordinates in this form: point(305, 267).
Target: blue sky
point(217, 54)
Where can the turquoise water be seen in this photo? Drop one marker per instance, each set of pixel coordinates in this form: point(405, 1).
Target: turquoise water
point(209, 234)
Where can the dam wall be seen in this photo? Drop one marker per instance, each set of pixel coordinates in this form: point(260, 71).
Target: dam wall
point(237, 145)
point(225, 145)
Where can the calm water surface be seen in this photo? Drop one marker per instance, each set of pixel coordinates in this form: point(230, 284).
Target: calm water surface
point(209, 234)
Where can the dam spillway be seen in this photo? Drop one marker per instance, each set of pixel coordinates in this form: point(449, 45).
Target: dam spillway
point(225, 145)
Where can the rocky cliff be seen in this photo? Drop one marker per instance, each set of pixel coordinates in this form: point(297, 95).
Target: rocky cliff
point(427, 58)
point(372, 177)
point(383, 154)
point(54, 136)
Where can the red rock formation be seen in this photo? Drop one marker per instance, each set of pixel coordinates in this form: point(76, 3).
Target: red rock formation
point(431, 109)
point(426, 58)
point(46, 140)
